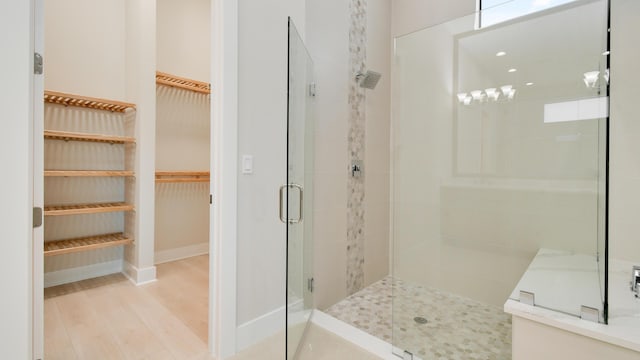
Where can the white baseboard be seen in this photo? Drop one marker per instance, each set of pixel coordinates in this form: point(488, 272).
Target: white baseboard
point(262, 327)
point(354, 335)
point(139, 276)
point(181, 253)
point(66, 276)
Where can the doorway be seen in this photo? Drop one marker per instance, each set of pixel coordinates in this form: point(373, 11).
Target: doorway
point(126, 172)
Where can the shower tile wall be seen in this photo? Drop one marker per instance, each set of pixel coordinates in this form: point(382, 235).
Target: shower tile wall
point(356, 141)
point(338, 261)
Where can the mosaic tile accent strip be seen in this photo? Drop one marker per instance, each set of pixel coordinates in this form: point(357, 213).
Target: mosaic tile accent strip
point(457, 328)
point(355, 184)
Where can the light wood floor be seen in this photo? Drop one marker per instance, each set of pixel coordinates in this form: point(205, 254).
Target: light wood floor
point(110, 318)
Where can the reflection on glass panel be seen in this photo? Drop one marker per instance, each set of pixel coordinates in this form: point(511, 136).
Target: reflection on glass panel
point(498, 175)
point(298, 192)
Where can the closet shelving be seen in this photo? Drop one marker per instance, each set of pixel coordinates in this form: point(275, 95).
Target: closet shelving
point(79, 209)
point(72, 245)
point(68, 246)
point(181, 176)
point(183, 83)
point(166, 79)
point(87, 173)
point(54, 97)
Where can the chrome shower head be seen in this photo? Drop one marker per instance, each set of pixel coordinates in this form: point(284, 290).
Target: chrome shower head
point(368, 80)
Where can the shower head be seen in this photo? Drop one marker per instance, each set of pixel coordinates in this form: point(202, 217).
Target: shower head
point(368, 80)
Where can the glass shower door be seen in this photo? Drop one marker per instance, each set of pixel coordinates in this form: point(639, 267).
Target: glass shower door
point(498, 176)
point(298, 191)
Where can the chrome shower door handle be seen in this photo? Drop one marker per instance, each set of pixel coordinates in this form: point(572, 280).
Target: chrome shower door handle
point(281, 207)
point(300, 205)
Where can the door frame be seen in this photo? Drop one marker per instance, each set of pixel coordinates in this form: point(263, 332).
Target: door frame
point(224, 178)
point(223, 214)
point(37, 265)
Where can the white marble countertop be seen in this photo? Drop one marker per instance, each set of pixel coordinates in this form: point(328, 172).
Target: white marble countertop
point(562, 281)
point(623, 327)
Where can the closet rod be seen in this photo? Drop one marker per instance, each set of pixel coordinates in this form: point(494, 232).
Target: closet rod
point(181, 176)
point(182, 173)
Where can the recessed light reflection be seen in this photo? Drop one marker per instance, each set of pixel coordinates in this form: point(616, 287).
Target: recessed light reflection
point(501, 53)
point(529, 84)
point(512, 70)
point(606, 53)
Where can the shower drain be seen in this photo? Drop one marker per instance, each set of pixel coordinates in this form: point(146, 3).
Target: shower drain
point(420, 320)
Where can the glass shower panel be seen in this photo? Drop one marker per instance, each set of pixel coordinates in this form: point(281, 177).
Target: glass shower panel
point(298, 192)
point(499, 163)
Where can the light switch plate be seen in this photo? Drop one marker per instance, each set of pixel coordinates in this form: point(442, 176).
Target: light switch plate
point(247, 164)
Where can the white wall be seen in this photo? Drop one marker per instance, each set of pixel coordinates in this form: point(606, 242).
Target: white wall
point(377, 147)
point(262, 133)
point(412, 15)
point(85, 42)
point(328, 44)
point(183, 38)
point(140, 89)
point(624, 174)
point(16, 36)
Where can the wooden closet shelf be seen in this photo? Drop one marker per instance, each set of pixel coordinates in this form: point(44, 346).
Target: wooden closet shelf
point(182, 180)
point(59, 247)
point(164, 177)
point(76, 136)
point(55, 97)
point(59, 210)
point(183, 83)
point(182, 173)
point(87, 173)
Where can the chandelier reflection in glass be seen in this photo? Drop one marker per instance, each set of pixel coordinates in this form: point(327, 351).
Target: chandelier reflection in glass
point(505, 92)
point(591, 78)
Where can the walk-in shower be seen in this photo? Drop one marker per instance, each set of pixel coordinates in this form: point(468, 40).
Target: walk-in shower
point(499, 172)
